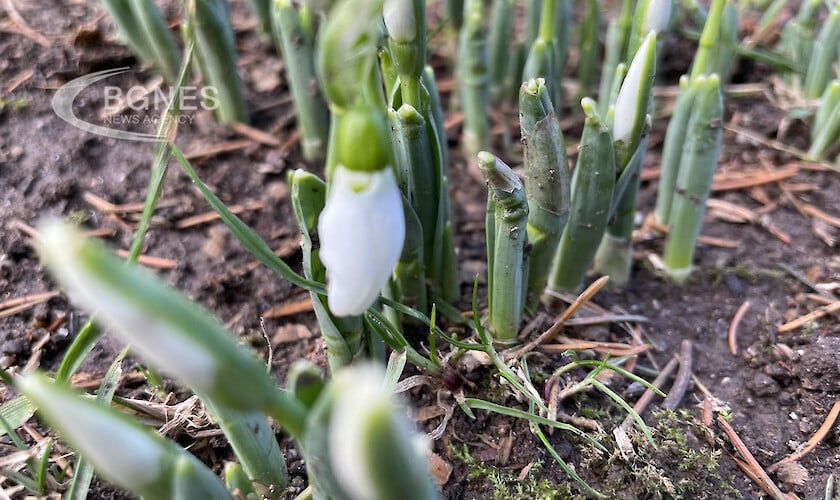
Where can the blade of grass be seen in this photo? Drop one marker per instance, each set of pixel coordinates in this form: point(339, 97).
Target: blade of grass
point(15, 413)
point(43, 464)
point(629, 409)
point(562, 463)
point(480, 404)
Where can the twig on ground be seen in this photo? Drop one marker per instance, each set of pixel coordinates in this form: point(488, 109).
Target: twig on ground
point(293, 138)
point(225, 147)
point(811, 316)
point(290, 308)
point(20, 26)
point(206, 217)
point(643, 402)
point(750, 465)
point(11, 307)
point(106, 207)
point(150, 261)
point(651, 224)
point(611, 348)
point(256, 135)
point(812, 443)
point(34, 360)
point(558, 325)
point(819, 214)
point(683, 378)
point(733, 327)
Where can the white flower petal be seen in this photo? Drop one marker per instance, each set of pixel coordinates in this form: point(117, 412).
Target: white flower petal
point(657, 16)
point(627, 102)
point(120, 452)
point(361, 389)
point(361, 229)
point(399, 20)
point(156, 341)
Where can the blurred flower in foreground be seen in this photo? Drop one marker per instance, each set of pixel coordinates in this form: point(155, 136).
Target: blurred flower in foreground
point(374, 451)
point(120, 449)
point(163, 326)
point(362, 227)
point(658, 15)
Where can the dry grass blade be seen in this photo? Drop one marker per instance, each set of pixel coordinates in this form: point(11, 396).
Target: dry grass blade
point(811, 316)
point(750, 465)
point(816, 439)
point(558, 325)
point(14, 306)
point(106, 207)
point(731, 183)
point(206, 217)
point(290, 308)
point(256, 135)
point(225, 147)
point(611, 348)
point(150, 261)
point(819, 214)
point(733, 327)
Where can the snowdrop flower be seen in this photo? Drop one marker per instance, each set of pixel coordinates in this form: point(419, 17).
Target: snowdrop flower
point(374, 451)
point(657, 15)
point(400, 20)
point(120, 449)
point(362, 229)
point(631, 103)
point(162, 325)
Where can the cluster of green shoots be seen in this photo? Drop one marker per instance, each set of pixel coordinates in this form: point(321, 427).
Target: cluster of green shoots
point(377, 236)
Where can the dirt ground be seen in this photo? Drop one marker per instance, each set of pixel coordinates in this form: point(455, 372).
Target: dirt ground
point(776, 391)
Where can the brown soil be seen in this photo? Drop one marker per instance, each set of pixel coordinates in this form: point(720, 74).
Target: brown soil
point(778, 389)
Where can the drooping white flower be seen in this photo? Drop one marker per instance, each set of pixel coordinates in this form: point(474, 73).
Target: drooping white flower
point(399, 20)
point(122, 452)
point(64, 250)
point(657, 16)
point(370, 436)
point(163, 326)
point(362, 229)
point(631, 105)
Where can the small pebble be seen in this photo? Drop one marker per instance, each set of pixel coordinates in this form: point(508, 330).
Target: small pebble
point(763, 385)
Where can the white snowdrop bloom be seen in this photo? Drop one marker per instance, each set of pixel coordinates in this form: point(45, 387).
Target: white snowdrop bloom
point(370, 431)
point(362, 229)
point(399, 20)
point(64, 251)
point(657, 16)
point(627, 102)
point(121, 452)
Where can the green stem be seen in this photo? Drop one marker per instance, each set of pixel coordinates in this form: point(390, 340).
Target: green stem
point(694, 181)
point(588, 48)
point(826, 127)
point(592, 191)
point(672, 151)
point(705, 57)
point(298, 53)
point(474, 78)
point(511, 218)
point(547, 182)
point(824, 56)
point(252, 439)
point(208, 21)
point(160, 42)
